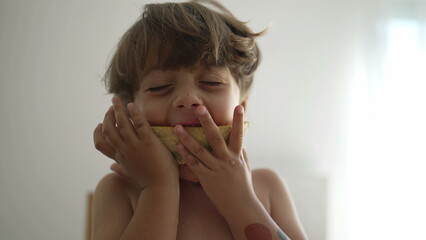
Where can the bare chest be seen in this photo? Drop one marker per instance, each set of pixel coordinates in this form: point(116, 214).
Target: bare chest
point(199, 219)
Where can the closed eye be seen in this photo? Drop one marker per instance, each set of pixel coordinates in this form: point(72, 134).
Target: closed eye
point(159, 88)
point(213, 84)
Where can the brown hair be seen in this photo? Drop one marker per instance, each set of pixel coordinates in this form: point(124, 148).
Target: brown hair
point(173, 35)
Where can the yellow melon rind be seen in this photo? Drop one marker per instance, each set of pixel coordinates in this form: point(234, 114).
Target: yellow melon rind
point(169, 139)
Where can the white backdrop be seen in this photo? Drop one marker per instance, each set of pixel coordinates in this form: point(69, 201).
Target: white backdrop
point(53, 54)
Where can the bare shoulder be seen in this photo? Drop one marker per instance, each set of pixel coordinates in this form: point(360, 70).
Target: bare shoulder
point(266, 174)
point(112, 206)
point(267, 179)
point(264, 183)
point(282, 208)
point(115, 190)
point(114, 182)
point(272, 184)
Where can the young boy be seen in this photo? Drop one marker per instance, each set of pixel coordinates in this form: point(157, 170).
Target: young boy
point(183, 64)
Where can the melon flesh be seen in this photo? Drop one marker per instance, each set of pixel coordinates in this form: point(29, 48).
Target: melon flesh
point(169, 139)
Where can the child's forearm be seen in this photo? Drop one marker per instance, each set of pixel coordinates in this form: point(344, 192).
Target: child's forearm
point(156, 214)
point(250, 220)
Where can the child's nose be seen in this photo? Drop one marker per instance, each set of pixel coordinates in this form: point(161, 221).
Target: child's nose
point(187, 99)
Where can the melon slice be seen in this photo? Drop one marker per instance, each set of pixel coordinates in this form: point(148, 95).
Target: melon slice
point(169, 139)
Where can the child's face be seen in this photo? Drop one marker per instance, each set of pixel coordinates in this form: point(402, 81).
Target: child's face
point(170, 97)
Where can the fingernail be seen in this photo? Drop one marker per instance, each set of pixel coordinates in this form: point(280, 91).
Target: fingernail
point(130, 107)
point(178, 128)
point(240, 109)
point(202, 110)
point(115, 100)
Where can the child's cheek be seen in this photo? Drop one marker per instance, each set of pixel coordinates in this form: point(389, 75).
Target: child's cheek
point(153, 115)
point(222, 117)
point(155, 120)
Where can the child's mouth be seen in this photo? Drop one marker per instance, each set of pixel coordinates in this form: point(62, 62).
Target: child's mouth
point(191, 125)
point(167, 136)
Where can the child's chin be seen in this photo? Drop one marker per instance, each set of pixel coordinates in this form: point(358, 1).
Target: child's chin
point(187, 174)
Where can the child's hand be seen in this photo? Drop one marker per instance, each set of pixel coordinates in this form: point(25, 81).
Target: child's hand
point(223, 173)
point(101, 143)
point(139, 152)
point(105, 148)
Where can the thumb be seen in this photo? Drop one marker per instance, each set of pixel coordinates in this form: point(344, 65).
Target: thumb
point(115, 167)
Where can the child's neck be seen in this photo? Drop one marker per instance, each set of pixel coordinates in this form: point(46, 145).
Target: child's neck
point(190, 186)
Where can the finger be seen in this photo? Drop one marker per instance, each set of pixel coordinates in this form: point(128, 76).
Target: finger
point(237, 131)
point(123, 123)
point(212, 132)
point(119, 170)
point(140, 124)
point(194, 164)
point(110, 132)
point(101, 143)
point(193, 147)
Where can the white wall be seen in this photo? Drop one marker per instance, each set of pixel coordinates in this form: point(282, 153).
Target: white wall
point(54, 52)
